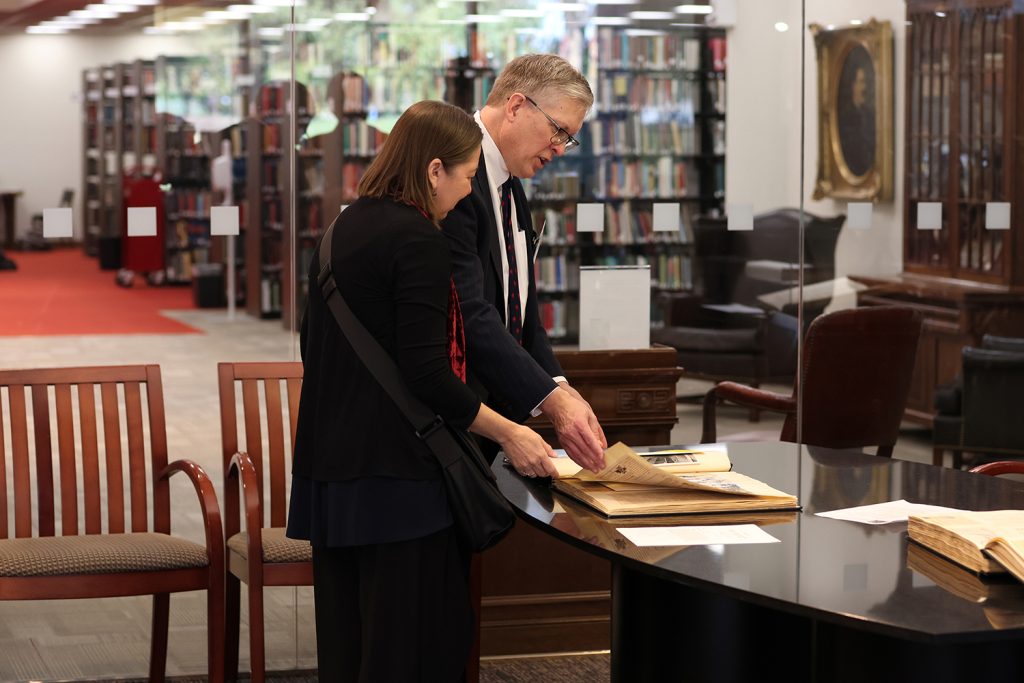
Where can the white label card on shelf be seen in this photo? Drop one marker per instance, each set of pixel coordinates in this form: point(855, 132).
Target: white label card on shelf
point(666, 217)
point(589, 217)
point(740, 217)
point(224, 220)
point(859, 215)
point(57, 223)
point(997, 216)
point(142, 221)
point(929, 216)
point(615, 307)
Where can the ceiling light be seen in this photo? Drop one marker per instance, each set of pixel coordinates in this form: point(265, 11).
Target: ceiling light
point(271, 32)
point(564, 6)
point(856, 22)
point(157, 31)
point(280, 3)
point(693, 9)
point(615, 2)
point(643, 32)
point(250, 9)
point(610, 21)
point(484, 19)
point(121, 8)
point(781, 26)
point(53, 30)
point(654, 16)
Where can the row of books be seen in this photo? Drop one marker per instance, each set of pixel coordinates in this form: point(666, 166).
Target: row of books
point(188, 203)
point(623, 49)
point(392, 92)
point(624, 223)
point(560, 317)
point(635, 135)
point(310, 217)
point(358, 138)
point(670, 92)
point(557, 273)
point(553, 185)
point(663, 178)
point(186, 168)
point(272, 98)
point(270, 295)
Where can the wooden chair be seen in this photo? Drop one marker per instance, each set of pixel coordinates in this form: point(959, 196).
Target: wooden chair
point(113, 548)
point(998, 467)
point(856, 370)
point(258, 554)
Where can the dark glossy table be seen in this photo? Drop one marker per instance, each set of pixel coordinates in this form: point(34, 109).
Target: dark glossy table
point(833, 601)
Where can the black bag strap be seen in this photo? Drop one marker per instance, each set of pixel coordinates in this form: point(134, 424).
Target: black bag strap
point(427, 424)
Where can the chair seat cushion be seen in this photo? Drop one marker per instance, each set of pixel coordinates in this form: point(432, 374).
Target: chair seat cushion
point(98, 554)
point(277, 547)
point(711, 340)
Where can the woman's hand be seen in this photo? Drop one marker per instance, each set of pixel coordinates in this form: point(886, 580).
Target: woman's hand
point(529, 454)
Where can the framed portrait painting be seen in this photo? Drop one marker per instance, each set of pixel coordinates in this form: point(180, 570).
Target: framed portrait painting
point(855, 117)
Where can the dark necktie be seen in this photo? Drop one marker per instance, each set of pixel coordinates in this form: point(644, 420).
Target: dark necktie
point(515, 314)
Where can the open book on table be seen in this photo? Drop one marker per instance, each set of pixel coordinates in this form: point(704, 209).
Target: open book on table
point(671, 481)
point(984, 542)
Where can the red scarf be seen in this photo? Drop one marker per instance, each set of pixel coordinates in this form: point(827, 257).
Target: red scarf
point(456, 331)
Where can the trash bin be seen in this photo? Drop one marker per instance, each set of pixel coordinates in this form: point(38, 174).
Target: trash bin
point(208, 285)
point(109, 252)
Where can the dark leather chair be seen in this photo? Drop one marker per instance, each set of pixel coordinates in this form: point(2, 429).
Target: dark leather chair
point(855, 371)
point(714, 341)
point(993, 427)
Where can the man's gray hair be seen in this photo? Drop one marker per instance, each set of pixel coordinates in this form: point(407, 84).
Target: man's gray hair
point(538, 75)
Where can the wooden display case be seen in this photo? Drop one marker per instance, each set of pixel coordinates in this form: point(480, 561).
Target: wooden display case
point(962, 147)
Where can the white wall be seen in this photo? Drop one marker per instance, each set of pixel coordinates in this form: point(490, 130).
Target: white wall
point(41, 115)
point(763, 130)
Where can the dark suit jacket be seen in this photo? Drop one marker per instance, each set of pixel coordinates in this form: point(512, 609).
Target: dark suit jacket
point(512, 379)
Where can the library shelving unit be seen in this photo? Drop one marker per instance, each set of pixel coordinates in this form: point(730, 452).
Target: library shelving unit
point(110, 167)
point(657, 135)
point(92, 159)
point(268, 271)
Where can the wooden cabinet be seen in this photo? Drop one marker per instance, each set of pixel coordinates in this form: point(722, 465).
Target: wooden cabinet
point(962, 146)
point(543, 595)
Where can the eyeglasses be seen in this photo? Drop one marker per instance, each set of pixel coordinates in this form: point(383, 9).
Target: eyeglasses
point(561, 136)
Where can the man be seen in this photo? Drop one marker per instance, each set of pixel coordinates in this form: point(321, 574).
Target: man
point(535, 109)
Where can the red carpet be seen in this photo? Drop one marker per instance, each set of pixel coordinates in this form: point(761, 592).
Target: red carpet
point(64, 292)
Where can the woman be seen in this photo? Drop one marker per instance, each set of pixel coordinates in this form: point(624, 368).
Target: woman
point(390, 579)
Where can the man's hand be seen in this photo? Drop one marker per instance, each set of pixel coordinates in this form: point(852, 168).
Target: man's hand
point(578, 429)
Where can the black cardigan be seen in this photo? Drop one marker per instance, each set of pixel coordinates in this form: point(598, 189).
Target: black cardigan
point(393, 267)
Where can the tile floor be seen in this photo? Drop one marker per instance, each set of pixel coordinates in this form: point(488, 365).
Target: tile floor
point(87, 639)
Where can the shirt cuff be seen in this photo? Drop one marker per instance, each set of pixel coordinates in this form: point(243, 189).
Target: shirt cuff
point(537, 411)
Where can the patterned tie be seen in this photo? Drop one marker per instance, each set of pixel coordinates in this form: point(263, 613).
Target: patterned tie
point(515, 314)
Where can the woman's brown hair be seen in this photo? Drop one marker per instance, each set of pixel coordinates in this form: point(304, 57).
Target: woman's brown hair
point(427, 130)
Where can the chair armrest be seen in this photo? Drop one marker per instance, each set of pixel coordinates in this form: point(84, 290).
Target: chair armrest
point(208, 501)
point(744, 396)
point(242, 464)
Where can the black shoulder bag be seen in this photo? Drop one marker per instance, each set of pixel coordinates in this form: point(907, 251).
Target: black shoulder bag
point(482, 515)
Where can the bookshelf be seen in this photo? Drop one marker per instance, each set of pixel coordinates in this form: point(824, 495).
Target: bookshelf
point(92, 159)
point(656, 135)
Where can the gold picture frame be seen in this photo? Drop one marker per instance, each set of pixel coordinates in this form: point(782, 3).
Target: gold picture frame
point(855, 111)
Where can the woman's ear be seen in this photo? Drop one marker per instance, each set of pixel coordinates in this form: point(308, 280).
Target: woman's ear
point(434, 172)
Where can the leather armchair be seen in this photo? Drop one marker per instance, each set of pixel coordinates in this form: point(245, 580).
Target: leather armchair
point(717, 339)
point(991, 428)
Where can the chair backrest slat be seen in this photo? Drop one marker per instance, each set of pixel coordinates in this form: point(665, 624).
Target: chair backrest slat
point(68, 466)
point(136, 455)
point(3, 473)
point(90, 458)
point(276, 453)
point(253, 430)
point(44, 459)
point(19, 463)
point(158, 446)
point(112, 447)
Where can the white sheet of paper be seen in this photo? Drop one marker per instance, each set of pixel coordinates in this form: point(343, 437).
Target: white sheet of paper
point(929, 216)
point(696, 535)
point(142, 221)
point(224, 220)
point(666, 217)
point(997, 216)
point(57, 223)
point(740, 217)
point(589, 217)
point(859, 214)
point(886, 513)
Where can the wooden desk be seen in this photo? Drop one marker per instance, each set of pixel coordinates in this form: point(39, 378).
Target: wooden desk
point(8, 200)
point(957, 313)
point(831, 601)
point(540, 595)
